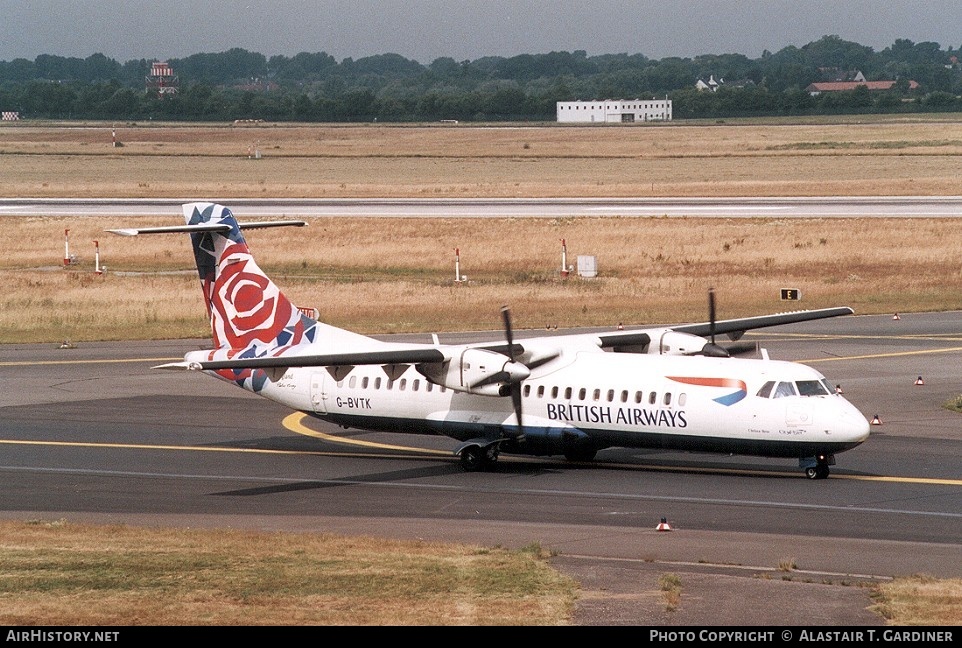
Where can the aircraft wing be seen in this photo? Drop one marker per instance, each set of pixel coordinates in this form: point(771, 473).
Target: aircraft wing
point(735, 328)
point(474, 370)
point(629, 341)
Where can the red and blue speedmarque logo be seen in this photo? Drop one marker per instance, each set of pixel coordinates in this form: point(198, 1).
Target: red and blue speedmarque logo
point(729, 399)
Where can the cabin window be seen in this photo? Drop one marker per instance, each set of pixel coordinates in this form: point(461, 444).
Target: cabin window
point(554, 392)
point(403, 384)
point(340, 383)
point(526, 391)
point(667, 398)
point(364, 382)
point(652, 398)
point(582, 393)
point(611, 395)
point(766, 390)
point(540, 391)
point(352, 383)
point(377, 383)
point(567, 393)
point(428, 386)
point(416, 385)
point(784, 389)
point(596, 395)
point(624, 396)
point(682, 397)
point(639, 396)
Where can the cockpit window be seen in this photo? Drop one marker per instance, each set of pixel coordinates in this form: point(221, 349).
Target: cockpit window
point(771, 389)
point(766, 390)
point(811, 388)
point(784, 389)
point(828, 386)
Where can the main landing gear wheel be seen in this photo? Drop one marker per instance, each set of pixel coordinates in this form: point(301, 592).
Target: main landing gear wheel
point(581, 454)
point(819, 471)
point(472, 458)
point(475, 458)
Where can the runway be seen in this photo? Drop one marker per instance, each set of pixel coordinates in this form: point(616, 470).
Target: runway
point(801, 207)
point(92, 433)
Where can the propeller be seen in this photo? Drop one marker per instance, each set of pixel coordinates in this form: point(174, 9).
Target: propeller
point(714, 350)
point(514, 386)
point(513, 371)
point(711, 349)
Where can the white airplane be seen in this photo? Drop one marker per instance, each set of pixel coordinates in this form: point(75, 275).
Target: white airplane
point(571, 394)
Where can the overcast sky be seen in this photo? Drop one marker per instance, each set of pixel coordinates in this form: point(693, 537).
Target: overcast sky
point(424, 30)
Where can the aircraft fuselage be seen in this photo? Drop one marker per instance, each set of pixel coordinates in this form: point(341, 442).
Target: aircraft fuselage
point(598, 400)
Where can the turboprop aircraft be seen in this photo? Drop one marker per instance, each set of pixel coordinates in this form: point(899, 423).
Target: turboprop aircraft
point(570, 394)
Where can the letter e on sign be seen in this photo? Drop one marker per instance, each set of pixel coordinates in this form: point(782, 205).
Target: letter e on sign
point(791, 294)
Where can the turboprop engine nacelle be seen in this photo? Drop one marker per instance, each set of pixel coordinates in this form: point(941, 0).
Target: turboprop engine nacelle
point(476, 371)
point(670, 342)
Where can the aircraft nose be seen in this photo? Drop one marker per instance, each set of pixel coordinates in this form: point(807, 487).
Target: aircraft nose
point(852, 425)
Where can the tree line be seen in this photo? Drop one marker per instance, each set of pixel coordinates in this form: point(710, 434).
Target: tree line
point(315, 87)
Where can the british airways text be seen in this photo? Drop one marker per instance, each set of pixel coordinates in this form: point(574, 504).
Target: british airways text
point(623, 415)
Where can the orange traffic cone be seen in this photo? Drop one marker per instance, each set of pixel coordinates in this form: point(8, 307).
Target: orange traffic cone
point(838, 389)
point(876, 420)
point(663, 525)
point(896, 317)
point(919, 381)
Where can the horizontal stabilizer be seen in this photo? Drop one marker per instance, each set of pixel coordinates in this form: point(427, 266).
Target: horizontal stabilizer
point(204, 227)
point(177, 366)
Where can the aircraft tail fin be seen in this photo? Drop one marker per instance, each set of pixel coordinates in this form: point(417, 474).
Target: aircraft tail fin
point(248, 312)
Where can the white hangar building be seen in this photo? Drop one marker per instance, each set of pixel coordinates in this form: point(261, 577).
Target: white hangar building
point(614, 111)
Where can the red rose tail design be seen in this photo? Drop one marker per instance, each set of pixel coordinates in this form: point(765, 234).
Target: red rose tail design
point(248, 313)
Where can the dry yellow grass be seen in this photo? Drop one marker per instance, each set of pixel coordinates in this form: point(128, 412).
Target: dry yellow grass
point(874, 155)
point(396, 275)
point(920, 600)
point(59, 574)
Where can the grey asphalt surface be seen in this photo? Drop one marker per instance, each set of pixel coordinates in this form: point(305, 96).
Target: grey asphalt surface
point(741, 207)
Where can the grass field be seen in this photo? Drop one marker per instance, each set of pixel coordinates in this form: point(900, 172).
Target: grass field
point(396, 276)
point(381, 277)
point(915, 155)
point(60, 574)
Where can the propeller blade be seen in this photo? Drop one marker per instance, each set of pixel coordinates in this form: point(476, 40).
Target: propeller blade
point(516, 402)
point(514, 386)
point(508, 334)
point(534, 364)
point(711, 315)
point(496, 377)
